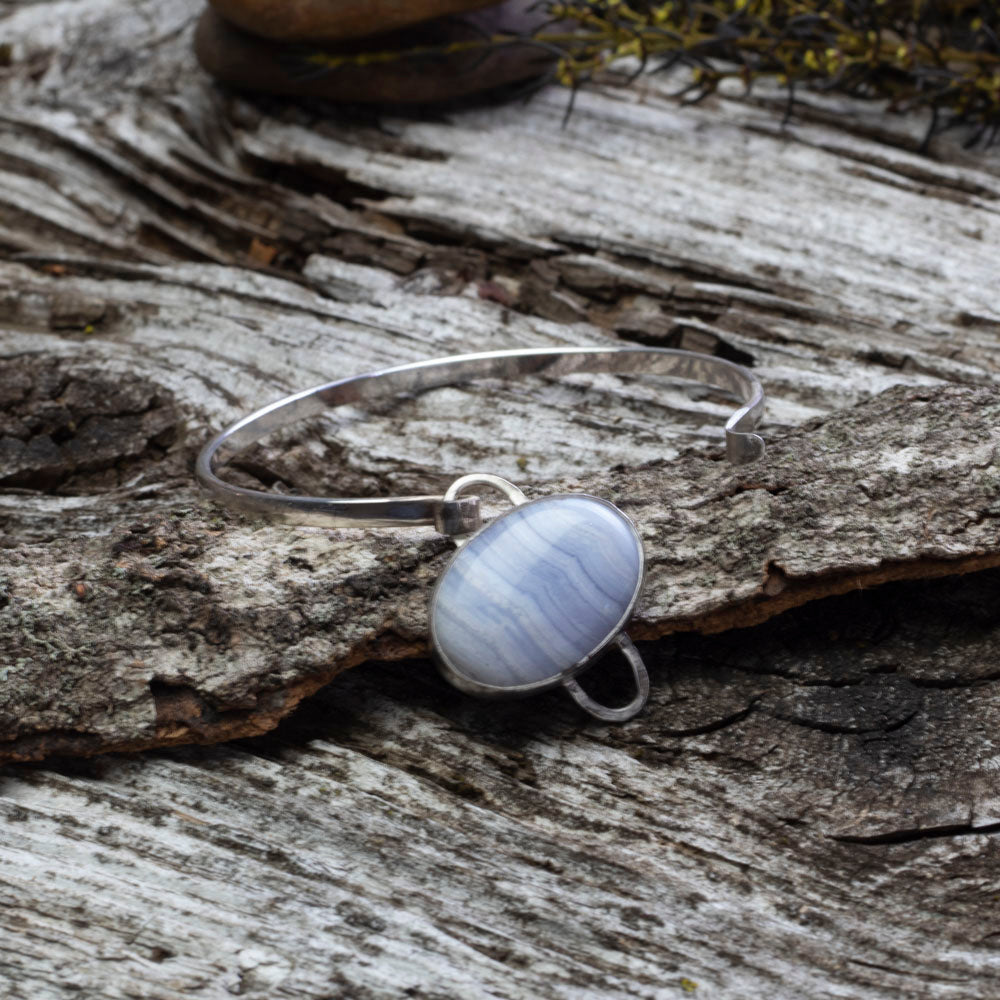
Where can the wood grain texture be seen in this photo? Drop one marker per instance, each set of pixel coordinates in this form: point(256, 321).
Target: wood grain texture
point(808, 808)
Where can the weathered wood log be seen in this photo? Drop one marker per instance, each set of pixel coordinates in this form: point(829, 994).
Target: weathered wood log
point(222, 626)
point(808, 808)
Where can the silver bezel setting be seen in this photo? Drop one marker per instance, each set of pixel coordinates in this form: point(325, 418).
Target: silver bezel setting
point(454, 676)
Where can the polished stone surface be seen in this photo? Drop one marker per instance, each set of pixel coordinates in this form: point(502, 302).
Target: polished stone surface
point(536, 591)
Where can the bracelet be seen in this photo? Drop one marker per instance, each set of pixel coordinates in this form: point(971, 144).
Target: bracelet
point(533, 598)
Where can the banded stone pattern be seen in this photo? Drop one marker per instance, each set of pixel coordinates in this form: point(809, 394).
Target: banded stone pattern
point(535, 592)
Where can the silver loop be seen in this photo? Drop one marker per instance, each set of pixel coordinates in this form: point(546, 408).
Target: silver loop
point(508, 489)
point(460, 485)
point(626, 712)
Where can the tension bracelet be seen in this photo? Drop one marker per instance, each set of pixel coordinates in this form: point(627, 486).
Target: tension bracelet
point(534, 597)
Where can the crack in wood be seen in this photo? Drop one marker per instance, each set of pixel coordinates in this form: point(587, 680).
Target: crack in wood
point(910, 836)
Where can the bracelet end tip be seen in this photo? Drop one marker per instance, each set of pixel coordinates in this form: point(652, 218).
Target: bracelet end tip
point(742, 449)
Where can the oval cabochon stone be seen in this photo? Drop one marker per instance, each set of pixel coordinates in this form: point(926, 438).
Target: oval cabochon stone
point(536, 592)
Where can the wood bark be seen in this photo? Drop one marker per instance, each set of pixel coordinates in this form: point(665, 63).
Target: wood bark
point(808, 808)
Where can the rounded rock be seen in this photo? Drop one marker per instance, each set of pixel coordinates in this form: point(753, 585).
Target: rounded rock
point(249, 62)
point(536, 594)
point(333, 20)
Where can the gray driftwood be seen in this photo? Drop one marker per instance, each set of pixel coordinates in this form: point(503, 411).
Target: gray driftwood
point(808, 808)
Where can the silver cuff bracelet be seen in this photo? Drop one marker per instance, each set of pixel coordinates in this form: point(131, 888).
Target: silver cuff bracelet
point(533, 598)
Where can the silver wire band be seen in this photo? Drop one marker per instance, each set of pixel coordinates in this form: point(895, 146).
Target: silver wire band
point(460, 515)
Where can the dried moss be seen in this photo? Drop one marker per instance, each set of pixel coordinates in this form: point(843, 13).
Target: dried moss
point(944, 56)
point(940, 56)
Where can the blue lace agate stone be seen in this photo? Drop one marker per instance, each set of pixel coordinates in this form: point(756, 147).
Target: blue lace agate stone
point(535, 593)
